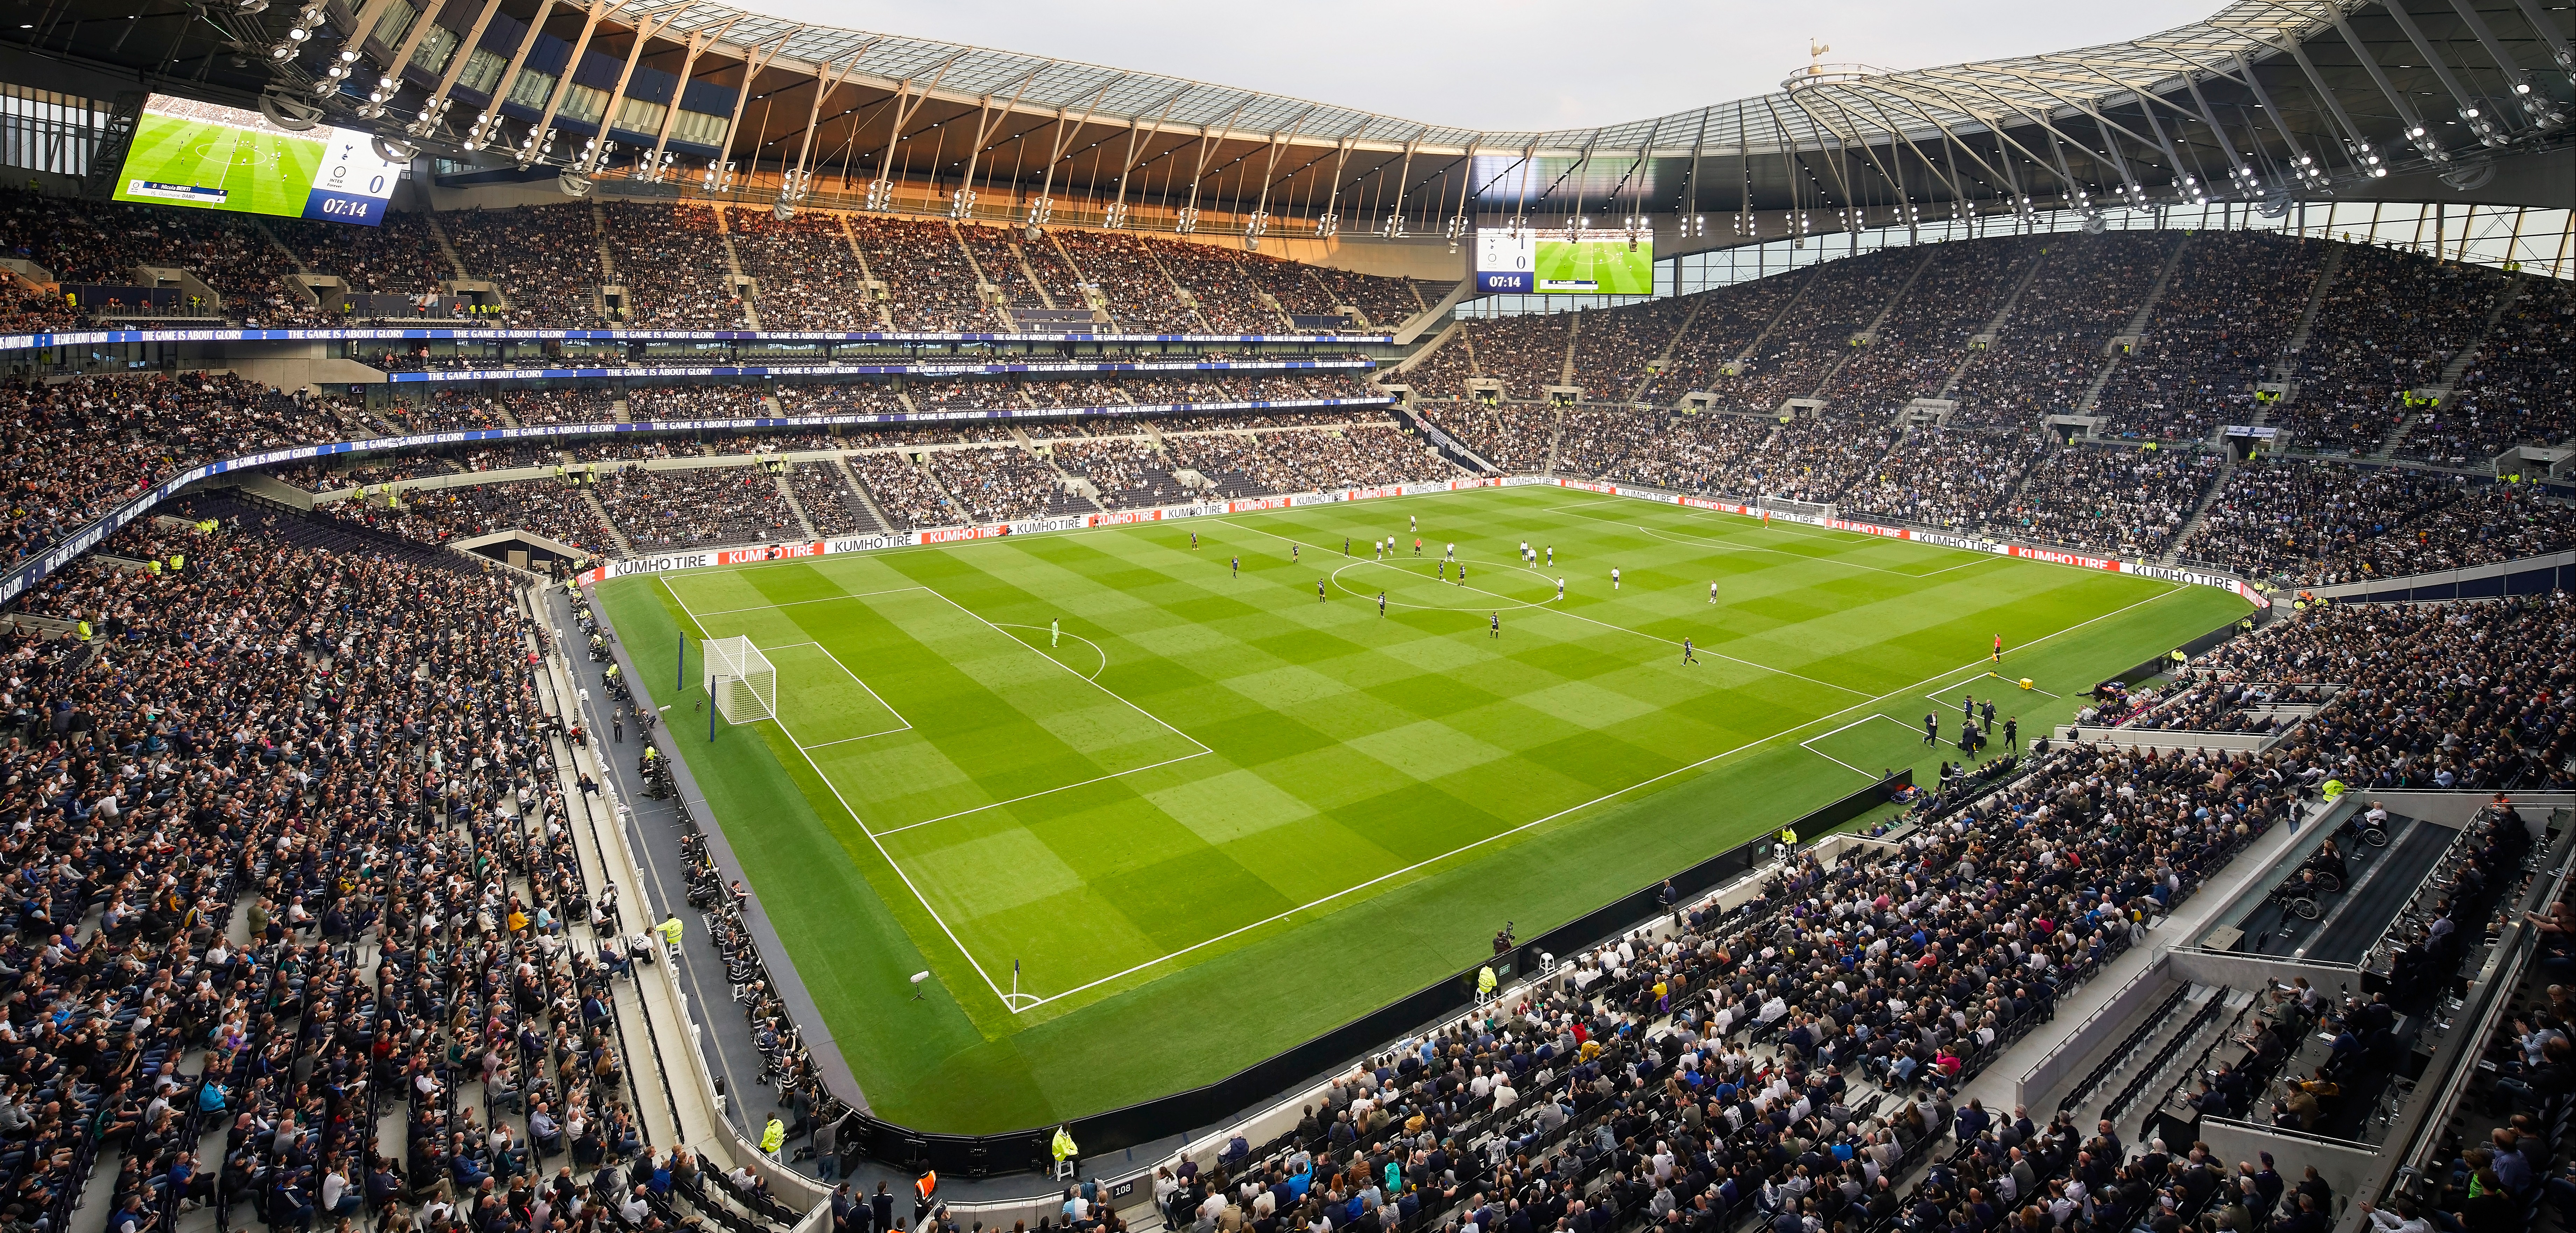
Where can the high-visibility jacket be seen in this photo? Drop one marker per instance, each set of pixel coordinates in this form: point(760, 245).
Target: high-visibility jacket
point(1063, 1145)
point(928, 1182)
point(772, 1136)
point(1789, 835)
point(1485, 981)
point(670, 930)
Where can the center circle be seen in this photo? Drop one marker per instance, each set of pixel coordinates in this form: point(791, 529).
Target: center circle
point(1490, 602)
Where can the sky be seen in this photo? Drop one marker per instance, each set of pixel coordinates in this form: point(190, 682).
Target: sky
point(1505, 65)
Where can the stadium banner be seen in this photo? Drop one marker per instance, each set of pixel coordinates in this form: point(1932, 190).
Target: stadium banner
point(1282, 364)
point(952, 535)
point(91, 338)
point(2060, 557)
point(869, 543)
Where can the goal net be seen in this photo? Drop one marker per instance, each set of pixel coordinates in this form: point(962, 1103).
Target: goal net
point(741, 681)
point(1811, 511)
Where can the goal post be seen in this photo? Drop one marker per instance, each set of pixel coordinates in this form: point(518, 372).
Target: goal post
point(741, 680)
point(1810, 511)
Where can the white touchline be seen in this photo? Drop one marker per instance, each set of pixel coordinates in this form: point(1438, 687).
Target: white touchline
point(889, 859)
point(1046, 792)
point(1809, 744)
point(1545, 607)
point(2172, 589)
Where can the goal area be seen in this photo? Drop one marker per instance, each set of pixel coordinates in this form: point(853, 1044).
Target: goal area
point(1813, 511)
point(741, 680)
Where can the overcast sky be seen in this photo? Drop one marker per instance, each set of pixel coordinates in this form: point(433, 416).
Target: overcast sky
point(1505, 64)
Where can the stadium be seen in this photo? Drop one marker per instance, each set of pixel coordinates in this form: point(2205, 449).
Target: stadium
point(633, 617)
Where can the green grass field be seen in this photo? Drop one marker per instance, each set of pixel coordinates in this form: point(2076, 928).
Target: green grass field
point(262, 173)
point(1609, 264)
point(1222, 816)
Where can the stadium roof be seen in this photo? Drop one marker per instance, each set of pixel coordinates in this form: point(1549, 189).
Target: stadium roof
point(2266, 101)
point(1961, 97)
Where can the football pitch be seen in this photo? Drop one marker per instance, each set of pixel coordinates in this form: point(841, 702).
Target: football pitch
point(261, 173)
point(1216, 815)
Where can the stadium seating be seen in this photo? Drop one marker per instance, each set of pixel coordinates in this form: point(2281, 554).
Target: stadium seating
point(2226, 317)
point(1613, 347)
point(1926, 334)
point(544, 258)
point(808, 276)
point(336, 818)
point(249, 1103)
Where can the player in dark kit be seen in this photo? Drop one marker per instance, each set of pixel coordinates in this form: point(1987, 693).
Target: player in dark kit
point(1238, 567)
point(1495, 630)
point(1319, 590)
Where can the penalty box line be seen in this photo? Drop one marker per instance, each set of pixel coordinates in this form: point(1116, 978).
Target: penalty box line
point(854, 679)
point(888, 857)
point(1809, 744)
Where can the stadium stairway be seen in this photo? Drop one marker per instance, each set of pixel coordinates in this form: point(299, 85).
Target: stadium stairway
point(2286, 365)
point(644, 1010)
point(607, 525)
point(446, 246)
point(1432, 314)
point(1998, 1085)
point(1664, 357)
point(2200, 512)
point(787, 493)
point(867, 500)
point(2137, 327)
point(2456, 367)
point(2003, 316)
point(1885, 311)
point(1787, 306)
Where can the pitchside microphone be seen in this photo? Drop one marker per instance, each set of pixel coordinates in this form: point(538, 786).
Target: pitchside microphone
point(917, 978)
